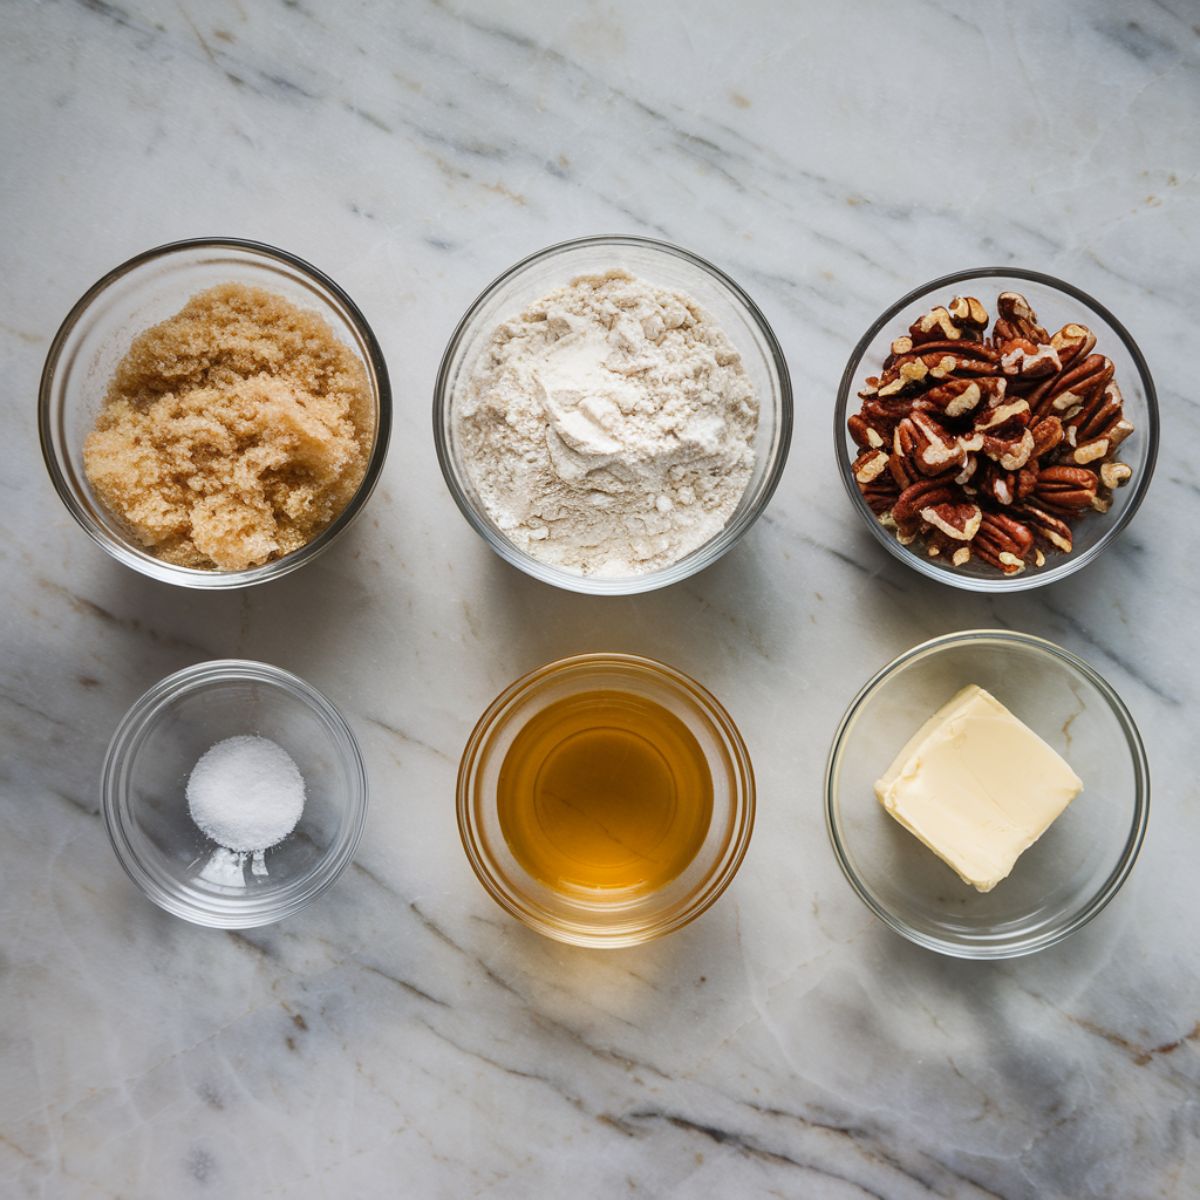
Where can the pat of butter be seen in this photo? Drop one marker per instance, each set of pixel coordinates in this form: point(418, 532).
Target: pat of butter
point(977, 786)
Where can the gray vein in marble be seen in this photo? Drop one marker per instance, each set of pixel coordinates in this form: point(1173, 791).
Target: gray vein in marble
point(746, 1145)
point(409, 739)
point(411, 988)
point(869, 566)
point(135, 625)
point(1107, 647)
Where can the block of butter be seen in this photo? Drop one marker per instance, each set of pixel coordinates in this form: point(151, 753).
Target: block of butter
point(977, 786)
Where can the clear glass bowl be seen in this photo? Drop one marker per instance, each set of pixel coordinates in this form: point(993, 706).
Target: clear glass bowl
point(1069, 874)
point(139, 293)
point(1056, 303)
point(605, 922)
point(666, 266)
point(145, 807)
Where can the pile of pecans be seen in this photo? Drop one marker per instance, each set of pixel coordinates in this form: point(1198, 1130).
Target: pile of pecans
point(990, 446)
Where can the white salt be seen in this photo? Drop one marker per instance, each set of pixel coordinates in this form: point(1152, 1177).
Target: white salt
point(246, 793)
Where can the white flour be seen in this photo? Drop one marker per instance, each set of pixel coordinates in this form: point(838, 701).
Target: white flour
point(609, 428)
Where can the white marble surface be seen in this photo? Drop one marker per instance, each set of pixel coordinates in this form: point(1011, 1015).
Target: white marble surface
point(402, 1036)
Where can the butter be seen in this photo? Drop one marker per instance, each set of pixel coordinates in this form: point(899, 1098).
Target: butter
point(977, 786)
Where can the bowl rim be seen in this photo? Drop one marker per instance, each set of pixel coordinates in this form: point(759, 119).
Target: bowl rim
point(691, 563)
point(124, 745)
point(1116, 877)
point(744, 802)
point(124, 550)
point(1027, 579)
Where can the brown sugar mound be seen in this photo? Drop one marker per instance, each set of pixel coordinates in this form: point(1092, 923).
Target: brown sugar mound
point(233, 432)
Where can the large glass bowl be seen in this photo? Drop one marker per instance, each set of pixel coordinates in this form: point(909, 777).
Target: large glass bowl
point(1069, 874)
point(96, 335)
point(1056, 304)
point(143, 793)
point(666, 266)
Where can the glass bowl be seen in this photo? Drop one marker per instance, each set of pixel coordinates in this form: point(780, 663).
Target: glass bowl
point(666, 266)
point(145, 807)
point(1067, 876)
point(594, 920)
point(140, 293)
point(1056, 303)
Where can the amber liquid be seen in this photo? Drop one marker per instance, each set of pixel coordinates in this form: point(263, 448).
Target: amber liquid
point(605, 790)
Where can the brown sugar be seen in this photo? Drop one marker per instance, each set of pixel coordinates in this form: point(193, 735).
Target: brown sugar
point(233, 432)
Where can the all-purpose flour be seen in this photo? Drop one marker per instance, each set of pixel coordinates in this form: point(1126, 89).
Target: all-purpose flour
point(609, 428)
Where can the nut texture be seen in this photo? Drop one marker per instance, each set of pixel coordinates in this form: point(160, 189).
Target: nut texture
point(989, 446)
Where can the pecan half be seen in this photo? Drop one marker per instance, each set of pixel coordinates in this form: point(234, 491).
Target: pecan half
point(864, 433)
point(1064, 394)
point(921, 440)
point(1002, 542)
point(1099, 427)
point(939, 324)
point(964, 358)
point(1027, 360)
point(1100, 410)
point(1002, 412)
point(868, 466)
point(1047, 434)
point(1073, 342)
point(878, 419)
point(936, 324)
point(1102, 447)
point(1010, 444)
point(1016, 320)
point(1065, 489)
point(925, 493)
point(958, 520)
point(1047, 526)
point(939, 360)
point(968, 314)
point(955, 397)
point(906, 374)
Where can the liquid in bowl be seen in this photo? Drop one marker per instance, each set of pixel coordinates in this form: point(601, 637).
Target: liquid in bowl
point(605, 792)
point(605, 799)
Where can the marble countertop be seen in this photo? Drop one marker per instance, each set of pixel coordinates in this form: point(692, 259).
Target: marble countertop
point(403, 1036)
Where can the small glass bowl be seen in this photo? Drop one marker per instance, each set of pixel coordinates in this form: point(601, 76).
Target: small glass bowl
point(606, 923)
point(666, 266)
point(145, 807)
point(1063, 880)
point(1056, 303)
point(147, 289)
